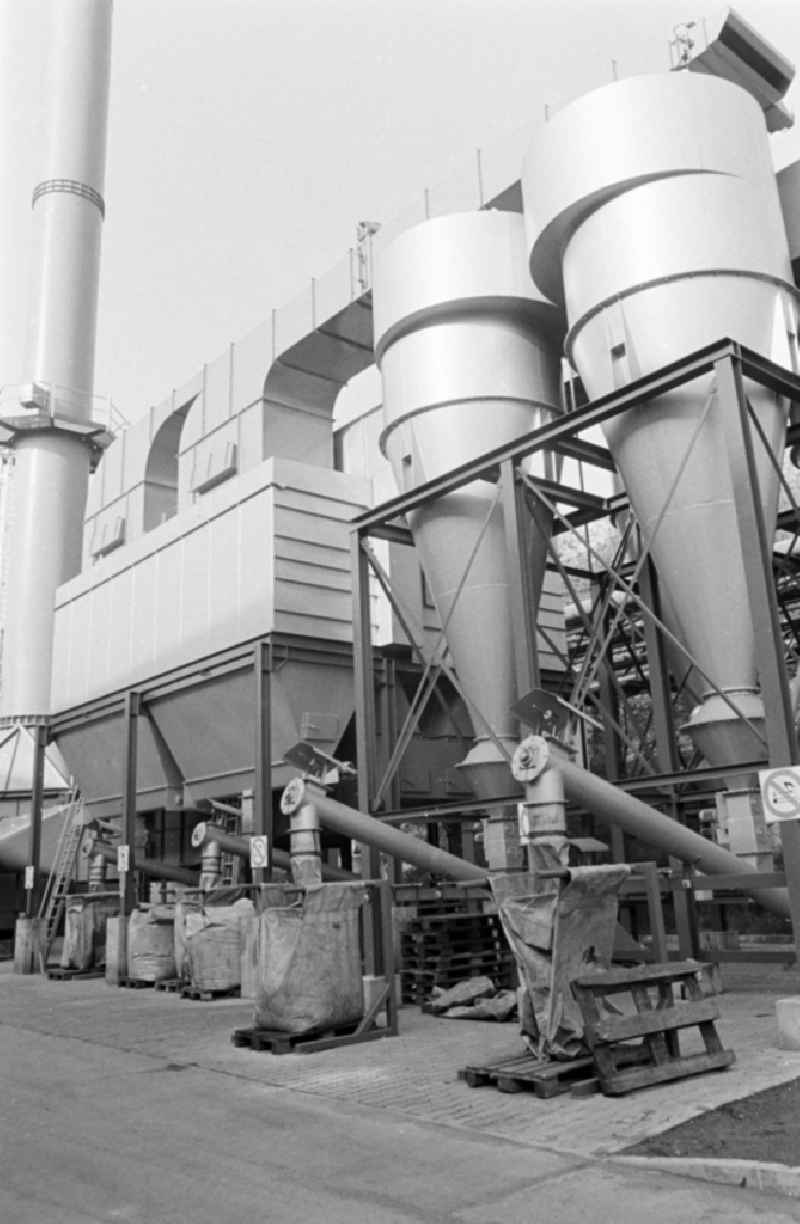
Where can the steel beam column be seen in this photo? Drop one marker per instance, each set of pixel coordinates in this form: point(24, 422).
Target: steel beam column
point(127, 879)
point(757, 559)
point(366, 746)
point(522, 601)
point(658, 672)
point(40, 738)
point(263, 825)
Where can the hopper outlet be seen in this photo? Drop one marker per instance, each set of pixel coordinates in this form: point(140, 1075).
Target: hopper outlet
point(663, 237)
point(469, 355)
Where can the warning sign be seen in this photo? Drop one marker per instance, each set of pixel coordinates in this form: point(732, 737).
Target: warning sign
point(780, 793)
point(123, 858)
point(258, 852)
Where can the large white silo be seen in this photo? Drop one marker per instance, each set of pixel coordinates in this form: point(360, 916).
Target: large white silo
point(652, 213)
point(53, 428)
point(469, 359)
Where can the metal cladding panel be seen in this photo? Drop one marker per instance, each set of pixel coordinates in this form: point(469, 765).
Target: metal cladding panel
point(15, 837)
point(469, 358)
point(210, 729)
point(251, 436)
point(254, 596)
point(252, 357)
point(225, 561)
point(626, 134)
point(205, 580)
point(144, 609)
point(136, 444)
point(788, 181)
point(217, 392)
point(666, 237)
point(303, 437)
point(312, 591)
point(95, 754)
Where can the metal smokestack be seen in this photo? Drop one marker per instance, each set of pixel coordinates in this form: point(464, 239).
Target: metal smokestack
point(652, 212)
point(53, 430)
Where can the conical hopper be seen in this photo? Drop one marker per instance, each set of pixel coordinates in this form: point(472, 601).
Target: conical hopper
point(651, 206)
point(469, 359)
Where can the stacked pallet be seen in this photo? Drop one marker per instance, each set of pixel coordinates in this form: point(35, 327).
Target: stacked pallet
point(441, 949)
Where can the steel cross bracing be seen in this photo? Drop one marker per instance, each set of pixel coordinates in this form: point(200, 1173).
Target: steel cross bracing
point(631, 639)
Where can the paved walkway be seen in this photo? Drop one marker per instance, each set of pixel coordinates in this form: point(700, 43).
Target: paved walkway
point(133, 1105)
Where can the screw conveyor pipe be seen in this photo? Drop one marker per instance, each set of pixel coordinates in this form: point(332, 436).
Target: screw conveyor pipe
point(655, 829)
point(231, 844)
point(592, 792)
point(360, 827)
point(148, 867)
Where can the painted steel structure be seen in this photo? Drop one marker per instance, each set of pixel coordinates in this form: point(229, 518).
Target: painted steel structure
point(730, 364)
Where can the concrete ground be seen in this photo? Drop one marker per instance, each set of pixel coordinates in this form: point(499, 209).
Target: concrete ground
point(133, 1106)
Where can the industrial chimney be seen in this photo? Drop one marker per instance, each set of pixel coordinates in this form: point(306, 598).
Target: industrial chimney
point(469, 359)
point(53, 431)
point(652, 213)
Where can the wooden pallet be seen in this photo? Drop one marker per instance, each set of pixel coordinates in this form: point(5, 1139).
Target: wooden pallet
point(207, 996)
point(307, 1042)
point(526, 1073)
point(170, 985)
point(657, 1022)
point(57, 974)
point(135, 984)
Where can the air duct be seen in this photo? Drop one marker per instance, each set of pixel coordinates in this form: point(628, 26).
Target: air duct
point(652, 213)
point(469, 360)
point(53, 431)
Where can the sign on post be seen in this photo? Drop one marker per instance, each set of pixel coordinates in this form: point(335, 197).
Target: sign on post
point(780, 793)
point(123, 858)
point(30, 878)
point(258, 852)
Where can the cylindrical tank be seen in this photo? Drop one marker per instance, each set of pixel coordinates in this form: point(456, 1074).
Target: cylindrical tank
point(652, 213)
point(52, 465)
point(469, 359)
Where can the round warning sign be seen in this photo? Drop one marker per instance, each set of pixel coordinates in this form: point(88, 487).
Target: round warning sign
point(780, 793)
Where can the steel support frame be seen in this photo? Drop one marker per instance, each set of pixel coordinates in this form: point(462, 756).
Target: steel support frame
point(127, 879)
point(366, 738)
point(41, 737)
point(263, 825)
point(757, 558)
point(730, 362)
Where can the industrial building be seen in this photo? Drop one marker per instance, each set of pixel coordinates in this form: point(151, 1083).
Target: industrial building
point(250, 634)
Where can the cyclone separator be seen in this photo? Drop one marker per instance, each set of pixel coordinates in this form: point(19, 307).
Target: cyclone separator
point(469, 359)
point(652, 212)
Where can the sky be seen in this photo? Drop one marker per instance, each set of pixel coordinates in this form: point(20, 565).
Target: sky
point(248, 137)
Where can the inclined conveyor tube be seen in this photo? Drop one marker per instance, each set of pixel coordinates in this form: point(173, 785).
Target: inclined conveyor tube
point(205, 833)
point(368, 829)
point(156, 870)
point(599, 796)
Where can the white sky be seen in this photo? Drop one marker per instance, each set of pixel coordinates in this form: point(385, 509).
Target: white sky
point(247, 138)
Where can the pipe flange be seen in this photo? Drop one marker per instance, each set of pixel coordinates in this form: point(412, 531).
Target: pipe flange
point(293, 796)
point(531, 758)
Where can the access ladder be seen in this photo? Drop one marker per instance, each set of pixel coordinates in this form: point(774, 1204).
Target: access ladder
point(54, 895)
